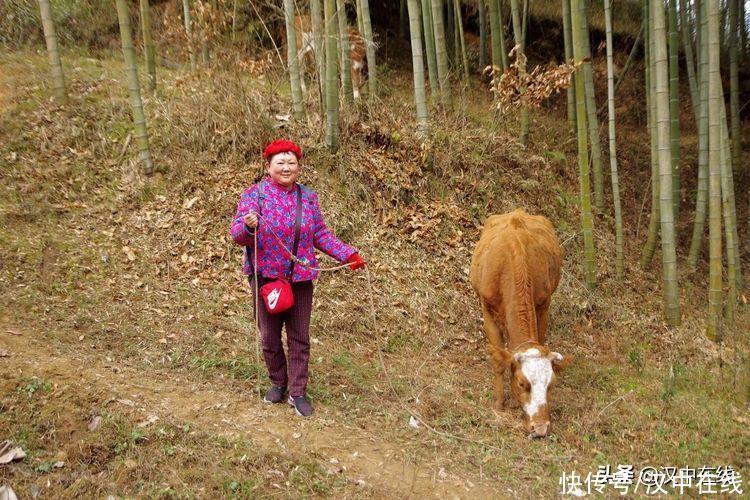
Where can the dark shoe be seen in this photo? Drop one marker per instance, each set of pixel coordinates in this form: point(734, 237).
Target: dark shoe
point(274, 395)
point(301, 405)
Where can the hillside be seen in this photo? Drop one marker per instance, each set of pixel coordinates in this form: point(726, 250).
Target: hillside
point(129, 355)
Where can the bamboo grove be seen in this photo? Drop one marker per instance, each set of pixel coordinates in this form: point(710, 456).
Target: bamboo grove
point(702, 42)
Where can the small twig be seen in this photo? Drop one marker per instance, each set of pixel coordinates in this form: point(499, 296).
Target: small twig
point(620, 398)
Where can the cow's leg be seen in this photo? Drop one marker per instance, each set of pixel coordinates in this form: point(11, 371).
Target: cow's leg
point(358, 78)
point(499, 356)
point(542, 319)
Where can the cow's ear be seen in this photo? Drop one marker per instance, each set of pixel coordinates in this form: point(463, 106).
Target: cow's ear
point(501, 358)
point(559, 362)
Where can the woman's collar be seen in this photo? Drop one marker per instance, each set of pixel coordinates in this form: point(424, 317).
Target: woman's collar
point(279, 186)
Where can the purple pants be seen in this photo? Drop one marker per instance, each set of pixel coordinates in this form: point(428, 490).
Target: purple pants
point(283, 372)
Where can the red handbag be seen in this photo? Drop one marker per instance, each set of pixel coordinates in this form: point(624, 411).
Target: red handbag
point(277, 295)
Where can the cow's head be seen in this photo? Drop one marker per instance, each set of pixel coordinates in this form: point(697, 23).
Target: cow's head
point(532, 377)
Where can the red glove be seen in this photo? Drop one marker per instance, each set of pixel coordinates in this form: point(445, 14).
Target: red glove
point(355, 261)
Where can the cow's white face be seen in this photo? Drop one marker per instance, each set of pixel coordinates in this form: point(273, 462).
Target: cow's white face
point(532, 378)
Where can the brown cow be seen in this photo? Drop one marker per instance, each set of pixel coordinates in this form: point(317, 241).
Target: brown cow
point(514, 270)
point(306, 53)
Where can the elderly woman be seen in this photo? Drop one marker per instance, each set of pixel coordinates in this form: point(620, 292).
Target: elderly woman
point(278, 217)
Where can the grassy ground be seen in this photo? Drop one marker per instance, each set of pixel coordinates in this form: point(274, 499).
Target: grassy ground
point(125, 301)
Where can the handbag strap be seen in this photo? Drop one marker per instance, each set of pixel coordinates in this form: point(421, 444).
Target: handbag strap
point(297, 226)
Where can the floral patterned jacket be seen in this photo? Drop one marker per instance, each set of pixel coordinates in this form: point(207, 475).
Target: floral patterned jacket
point(278, 214)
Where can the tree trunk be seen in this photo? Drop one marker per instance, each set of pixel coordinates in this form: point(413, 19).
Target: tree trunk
point(674, 106)
point(689, 60)
point(729, 218)
point(497, 35)
point(587, 224)
point(189, 33)
point(711, 39)
point(53, 54)
point(734, 88)
point(332, 86)
point(441, 53)
point(482, 34)
point(593, 122)
point(293, 61)
point(668, 250)
point(520, 56)
point(372, 74)
point(619, 259)
point(567, 36)
point(701, 201)
point(148, 44)
point(429, 42)
point(346, 74)
point(460, 25)
point(316, 22)
point(139, 118)
point(418, 69)
point(653, 227)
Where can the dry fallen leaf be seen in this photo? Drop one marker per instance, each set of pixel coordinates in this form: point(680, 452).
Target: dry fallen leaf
point(8, 454)
point(7, 493)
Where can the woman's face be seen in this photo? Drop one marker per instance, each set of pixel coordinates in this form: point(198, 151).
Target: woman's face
point(283, 168)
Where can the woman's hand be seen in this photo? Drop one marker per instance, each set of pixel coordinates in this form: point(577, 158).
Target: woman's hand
point(251, 220)
point(355, 261)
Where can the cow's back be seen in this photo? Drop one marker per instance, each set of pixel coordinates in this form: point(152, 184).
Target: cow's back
point(515, 246)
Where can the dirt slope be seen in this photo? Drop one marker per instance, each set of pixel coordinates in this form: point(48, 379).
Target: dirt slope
point(357, 454)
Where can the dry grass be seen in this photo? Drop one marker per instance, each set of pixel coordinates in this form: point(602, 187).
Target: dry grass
point(135, 277)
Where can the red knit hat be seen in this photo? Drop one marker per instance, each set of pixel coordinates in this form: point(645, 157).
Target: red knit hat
point(282, 146)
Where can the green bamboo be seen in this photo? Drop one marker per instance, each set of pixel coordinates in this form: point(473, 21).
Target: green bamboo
point(674, 106)
point(459, 23)
point(482, 34)
point(148, 44)
point(728, 201)
point(345, 61)
point(372, 66)
point(714, 323)
point(503, 46)
point(332, 86)
point(316, 23)
point(417, 58)
point(619, 246)
point(593, 121)
point(136, 104)
point(495, 27)
point(53, 53)
point(734, 87)
point(587, 222)
point(729, 218)
point(568, 58)
point(189, 33)
point(360, 24)
point(441, 53)
point(518, 34)
point(689, 60)
point(429, 42)
point(668, 245)
point(293, 61)
point(653, 227)
point(701, 202)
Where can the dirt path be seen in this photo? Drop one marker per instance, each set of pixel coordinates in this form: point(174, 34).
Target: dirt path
point(360, 454)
